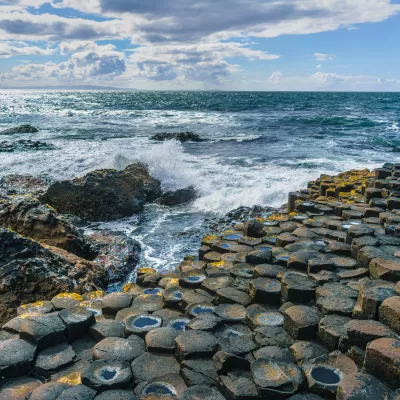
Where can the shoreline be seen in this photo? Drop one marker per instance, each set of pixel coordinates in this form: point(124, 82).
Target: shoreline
point(304, 299)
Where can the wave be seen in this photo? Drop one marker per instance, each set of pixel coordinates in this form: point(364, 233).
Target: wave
point(239, 138)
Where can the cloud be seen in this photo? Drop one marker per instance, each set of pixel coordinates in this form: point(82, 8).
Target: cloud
point(12, 49)
point(275, 78)
point(323, 57)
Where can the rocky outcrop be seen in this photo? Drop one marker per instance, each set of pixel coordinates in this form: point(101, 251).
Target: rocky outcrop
point(24, 145)
point(23, 184)
point(19, 129)
point(106, 194)
point(180, 136)
point(30, 271)
point(180, 196)
point(27, 216)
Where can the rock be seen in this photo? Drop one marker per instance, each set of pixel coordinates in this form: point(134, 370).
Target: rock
point(19, 130)
point(31, 272)
point(16, 357)
point(15, 184)
point(204, 322)
point(81, 392)
point(301, 322)
point(202, 392)
point(258, 315)
point(232, 296)
point(361, 386)
point(195, 344)
point(106, 328)
point(24, 145)
point(48, 391)
point(235, 339)
point(126, 394)
point(90, 197)
point(226, 362)
point(239, 385)
point(114, 302)
point(336, 305)
point(147, 366)
point(118, 349)
point(77, 320)
point(254, 228)
point(45, 330)
point(304, 351)
point(180, 196)
point(66, 300)
point(382, 359)
point(265, 291)
point(389, 313)
point(18, 389)
point(161, 340)
point(274, 353)
point(361, 332)
point(381, 268)
point(297, 287)
point(199, 371)
point(230, 312)
point(272, 336)
point(108, 375)
point(41, 307)
point(180, 136)
point(169, 385)
point(331, 329)
point(53, 359)
point(276, 379)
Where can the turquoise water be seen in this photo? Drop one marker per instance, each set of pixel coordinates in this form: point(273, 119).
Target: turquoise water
point(257, 147)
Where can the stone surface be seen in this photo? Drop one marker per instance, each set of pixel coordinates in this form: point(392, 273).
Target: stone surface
point(53, 359)
point(18, 389)
point(301, 322)
point(118, 349)
point(48, 391)
point(195, 344)
point(147, 366)
point(389, 313)
point(361, 332)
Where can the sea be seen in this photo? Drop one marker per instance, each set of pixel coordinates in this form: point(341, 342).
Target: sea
point(257, 147)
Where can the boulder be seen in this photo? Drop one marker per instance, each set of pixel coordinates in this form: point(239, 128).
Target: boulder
point(106, 194)
point(180, 196)
point(20, 129)
point(24, 145)
point(180, 136)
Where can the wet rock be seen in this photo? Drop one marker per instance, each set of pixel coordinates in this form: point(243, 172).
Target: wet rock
point(275, 378)
point(53, 359)
point(89, 197)
point(161, 340)
point(274, 353)
point(382, 359)
point(266, 291)
point(20, 129)
point(258, 315)
point(180, 196)
point(77, 320)
point(331, 329)
point(18, 389)
point(195, 344)
point(254, 228)
point(24, 145)
point(297, 287)
point(180, 136)
point(147, 366)
point(389, 313)
point(141, 324)
point(16, 357)
point(301, 322)
point(233, 296)
point(81, 392)
point(239, 385)
point(106, 328)
point(304, 351)
point(387, 269)
point(202, 392)
point(361, 332)
point(361, 386)
point(235, 339)
point(272, 336)
point(48, 391)
point(169, 385)
point(108, 375)
point(118, 349)
point(199, 372)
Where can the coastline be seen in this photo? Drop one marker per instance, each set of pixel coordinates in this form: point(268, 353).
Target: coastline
point(281, 303)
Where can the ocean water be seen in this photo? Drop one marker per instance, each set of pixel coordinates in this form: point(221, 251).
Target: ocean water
point(258, 146)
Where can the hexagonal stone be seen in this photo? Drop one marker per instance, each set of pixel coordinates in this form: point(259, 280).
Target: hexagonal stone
point(301, 322)
point(284, 239)
point(94, 306)
point(331, 329)
point(66, 300)
point(195, 344)
point(235, 338)
point(148, 302)
point(265, 291)
point(16, 357)
point(41, 307)
point(304, 351)
point(272, 336)
point(230, 312)
point(19, 388)
point(334, 305)
point(77, 320)
point(104, 374)
point(53, 359)
point(199, 372)
point(382, 359)
point(193, 279)
point(169, 385)
point(48, 391)
point(389, 313)
point(172, 296)
point(126, 394)
point(196, 296)
point(204, 322)
point(361, 332)
point(43, 329)
point(122, 315)
point(106, 328)
point(297, 287)
point(344, 262)
point(118, 349)
point(260, 256)
point(147, 366)
point(232, 296)
point(239, 385)
point(258, 315)
point(274, 353)
point(381, 268)
point(225, 362)
point(81, 392)
point(195, 310)
point(276, 378)
point(268, 270)
point(211, 285)
point(114, 302)
point(161, 340)
point(141, 324)
point(335, 290)
point(202, 392)
point(360, 386)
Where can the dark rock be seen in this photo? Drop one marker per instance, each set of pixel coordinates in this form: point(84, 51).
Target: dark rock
point(114, 302)
point(147, 366)
point(297, 287)
point(331, 329)
point(161, 340)
point(106, 328)
point(204, 322)
point(118, 349)
point(272, 336)
point(274, 353)
point(169, 385)
point(77, 320)
point(233, 296)
point(226, 362)
point(239, 385)
point(195, 344)
point(18, 389)
point(24, 145)
point(199, 372)
point(389, 313)
point(142, 324)
point(48, 391)
point(41, 307)
point(361, 332)
point(265, 291)
point(20, 129)
point(202, 392)
point(388, 269)
point(126, 394)
point(81, 392)
point(301, 322)
point(180, 136)
point(180, 196)
point(254, 228)
point(304, 351)
point(235, 339)
point(230, 312)
point(336, 305)
point(90, 197)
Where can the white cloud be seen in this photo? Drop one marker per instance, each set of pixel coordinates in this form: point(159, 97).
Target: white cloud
point(319, 66)
point(11, 49)
point(275, 78)
point(323, 57)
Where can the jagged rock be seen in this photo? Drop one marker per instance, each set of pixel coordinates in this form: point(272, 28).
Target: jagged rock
point(180, 136)
point(90, 197)
point(180, 196)
point(239, 384)
point(15, 184)
point(19, 129)
point(24, 145)
point(31, 272)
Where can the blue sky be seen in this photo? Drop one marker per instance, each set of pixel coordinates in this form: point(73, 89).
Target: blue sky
point(201, 44)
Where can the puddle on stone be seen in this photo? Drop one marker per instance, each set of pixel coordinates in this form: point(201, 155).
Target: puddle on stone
point(232, 332)
point(270, 319)
point(202, 310)
point(194, 278)
point(325, 375)
point(270, 223)
point(144, 321)
point(179, 324)
point(107, 374)
point(321, 243)
point(225, 246)
point(152, 291)
point(232, 236)
point(177, 295)
point(159, 388)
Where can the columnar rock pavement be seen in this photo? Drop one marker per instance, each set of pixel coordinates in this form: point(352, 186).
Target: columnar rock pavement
point(299, 303)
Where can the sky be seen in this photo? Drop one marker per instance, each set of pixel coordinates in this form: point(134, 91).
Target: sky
point(327, 45)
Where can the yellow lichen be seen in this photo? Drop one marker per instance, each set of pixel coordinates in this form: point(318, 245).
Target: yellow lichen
point(146, 270)
point(74, 296)
point(96, 295)
point(209, 239)
point(74, 378)
point(38, 304)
